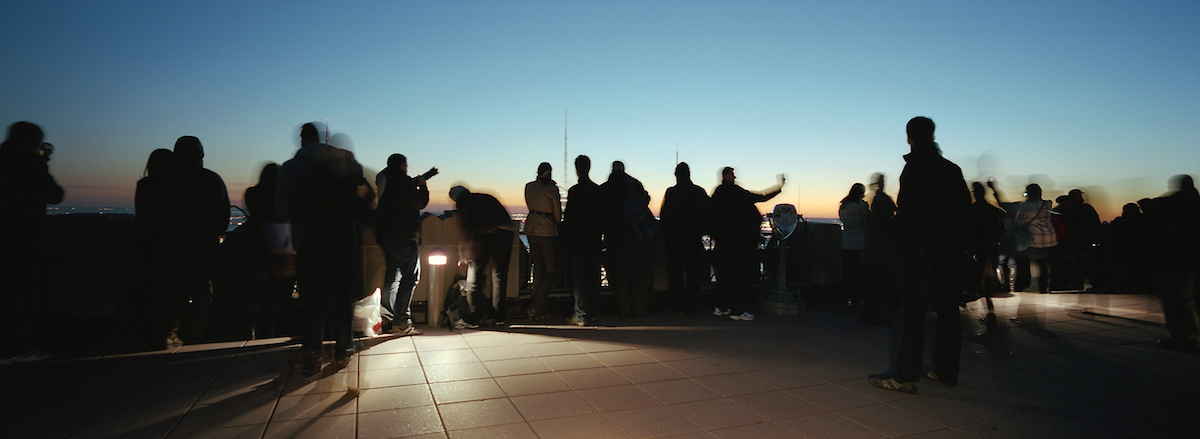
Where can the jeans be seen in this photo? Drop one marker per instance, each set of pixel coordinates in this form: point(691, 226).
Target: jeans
point(929, 281)
point(737, 269)
point(328, 279)
point(401, 278)
point(687, 271)
point(585, 283)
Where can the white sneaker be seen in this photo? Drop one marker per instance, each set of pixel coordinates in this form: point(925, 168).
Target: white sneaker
point(720, 312)
point(462, 324)
point(743, 316)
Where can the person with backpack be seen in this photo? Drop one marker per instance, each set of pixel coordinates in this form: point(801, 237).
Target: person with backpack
point(323, 193)
point(629, 234)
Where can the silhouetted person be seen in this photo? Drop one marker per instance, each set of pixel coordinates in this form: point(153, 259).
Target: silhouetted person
point(1034, 215)
point(210, 200)
point(1175, 253)
point(984, 230)
point(323, 193)
point(686, 216)
point(852, 213)
point(398, 232)
point(737, 232)
point(26, 187)
point(879, 257)
point(269, 254)
point(487, 237)
point(582, 229)
point(541, 228)
point(1124, 245)
point(629, 238)
point(171, 243)
point(1084, 223)
point(932, 205)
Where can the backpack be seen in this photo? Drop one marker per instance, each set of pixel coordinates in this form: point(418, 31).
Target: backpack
point(455, 305)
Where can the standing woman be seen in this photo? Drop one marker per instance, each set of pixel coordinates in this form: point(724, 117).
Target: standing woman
point(164, 262)
point(1034, 215)
point(853, 215)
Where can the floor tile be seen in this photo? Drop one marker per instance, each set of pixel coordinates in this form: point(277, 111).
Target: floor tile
point(399, 423)
point(831, 397)
point(579, 427)
point(328, 427)
point(518, 366)
point(532, 384)
point(651, 422)
point(828, 426)
point(889, 420)
point(465, 390)
point(589, 378)
point(395, 397)
point(315, 405)
point(448, 356)
point(571, 362)
point(389, 361)
point(733, 384)
point(242, 432)
point(717, 413)
point(475, 414)
point(678, 391)
point(776, 405)
point(755, 431)
point(698, 367)
point(647, 373)
point(229, 414)
point(622, 357)
point(615, 398)
point(132, 424)
point(552, 405)
point(510, 431)
point(940, 410)
point(456, 372)
point(493, 353)
point(554, 348)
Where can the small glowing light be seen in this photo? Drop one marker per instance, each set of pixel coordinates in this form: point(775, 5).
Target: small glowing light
point(437, 257)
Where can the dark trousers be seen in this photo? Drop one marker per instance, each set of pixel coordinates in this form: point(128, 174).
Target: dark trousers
point(631, 275)
point(328, 279)
point(928, 280)
point(401, 278)
point(585, 282)
point(687, 271)
point(1177, 292)
point(737, 268)
point(496, 248)
point(543, 253)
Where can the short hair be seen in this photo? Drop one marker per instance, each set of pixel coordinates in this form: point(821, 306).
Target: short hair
point(920, 129)
point(583, 163)
point(188, 148)
point(726, 170)
point(682, 170)
point(543, 167)
point(457, 192)
point(618, 166)
point(309, 131)
point(24, 134)
point(1033, 190)
point(397, 160)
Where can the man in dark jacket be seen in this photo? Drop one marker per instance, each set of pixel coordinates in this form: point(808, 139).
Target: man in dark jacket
point(686, 214)
point(26, 187)
point(205, 196)
point(582, 229)
point(931, 212)
point(737, 235)
point(629, 235)
point(323, 193)
point(398, 232)
point(1174, 252)
point(487, 236)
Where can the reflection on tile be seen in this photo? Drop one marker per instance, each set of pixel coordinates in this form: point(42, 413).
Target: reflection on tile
point(475, 414)
point(465, 390)
point(399, 422)
point(532, 384)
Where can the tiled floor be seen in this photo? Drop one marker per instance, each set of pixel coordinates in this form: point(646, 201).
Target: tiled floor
point(1071, 366)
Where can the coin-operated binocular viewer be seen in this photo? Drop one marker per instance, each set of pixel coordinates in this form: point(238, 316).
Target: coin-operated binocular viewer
point(778, 299)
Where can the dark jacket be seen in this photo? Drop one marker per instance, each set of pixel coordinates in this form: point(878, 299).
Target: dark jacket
point(398, 217)
point(583, 219)
point(686, 212)
point(479, 214)
point(624, 197)
point(737, 218)
point(26, 187)
point(933, 199)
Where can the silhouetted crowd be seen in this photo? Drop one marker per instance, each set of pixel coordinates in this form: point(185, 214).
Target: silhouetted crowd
point(940, 244)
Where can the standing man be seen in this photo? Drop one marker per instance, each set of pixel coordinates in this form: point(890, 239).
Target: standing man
point(541, 227)
point(26, 187)
point(323, 193)
point(206, 195)
point(737, 234)
point(582, 232)
point(629, 234)
point(398, 232)
point(931, 210)
point(487, 236)
point(685, 214)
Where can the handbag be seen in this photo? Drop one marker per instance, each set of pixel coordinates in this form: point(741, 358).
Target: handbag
point(1017, 238)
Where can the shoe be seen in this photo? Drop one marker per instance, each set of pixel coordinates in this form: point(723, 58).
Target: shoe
point(462, 324)
point(933, 376)
point(310, 363)
point(173, 341)
point(535, 316)
point(405, 329)
point(892, 384)
point(721, 312)
point(746, 316)
point(341, 359)
point(576, 321)
point(1178, 346)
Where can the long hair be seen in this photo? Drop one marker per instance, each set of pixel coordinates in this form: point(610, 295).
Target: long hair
point(161, 163)
point(857, 192)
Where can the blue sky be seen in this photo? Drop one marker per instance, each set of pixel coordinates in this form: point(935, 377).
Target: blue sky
point(1092, 94)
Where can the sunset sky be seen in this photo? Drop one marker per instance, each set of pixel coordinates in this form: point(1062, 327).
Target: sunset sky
point(1098, 95)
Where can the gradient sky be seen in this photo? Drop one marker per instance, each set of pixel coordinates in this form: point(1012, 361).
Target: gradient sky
point(1099, 95)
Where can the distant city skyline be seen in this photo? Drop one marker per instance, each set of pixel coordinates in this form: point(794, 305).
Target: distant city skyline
point(1100, 96)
